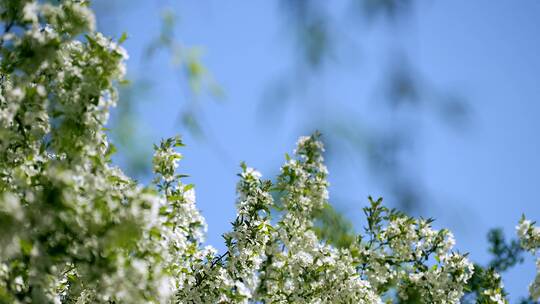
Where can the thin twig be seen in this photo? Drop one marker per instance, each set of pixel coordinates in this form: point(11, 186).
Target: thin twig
point(7, 28)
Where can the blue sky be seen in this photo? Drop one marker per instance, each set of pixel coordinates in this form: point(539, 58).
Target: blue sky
point(482, 177)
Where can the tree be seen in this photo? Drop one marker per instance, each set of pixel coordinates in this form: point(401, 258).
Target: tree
point(75, 229)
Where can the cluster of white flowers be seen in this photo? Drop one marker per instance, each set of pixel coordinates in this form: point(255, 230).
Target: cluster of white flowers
point(298, 266)
point(398, 250)
point(75, 229)
point(529, 236)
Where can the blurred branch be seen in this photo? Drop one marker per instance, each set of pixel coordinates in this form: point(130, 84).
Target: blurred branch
point(315, 33)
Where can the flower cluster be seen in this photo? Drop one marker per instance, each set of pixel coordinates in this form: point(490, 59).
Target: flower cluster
point(529, 235)
point(73, 228)
point(396, 252)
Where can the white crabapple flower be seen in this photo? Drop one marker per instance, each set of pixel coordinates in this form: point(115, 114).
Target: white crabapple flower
point(495, 297)
point(251, 172)
point(30, 12)
point(189, 196)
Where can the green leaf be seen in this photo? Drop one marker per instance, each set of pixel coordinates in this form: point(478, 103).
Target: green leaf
point(123, 38)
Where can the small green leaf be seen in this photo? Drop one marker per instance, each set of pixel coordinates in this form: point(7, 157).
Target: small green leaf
point(123, 38)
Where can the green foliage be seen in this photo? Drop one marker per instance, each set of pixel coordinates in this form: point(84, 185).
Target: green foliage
point(504, 255)
point(333, 227)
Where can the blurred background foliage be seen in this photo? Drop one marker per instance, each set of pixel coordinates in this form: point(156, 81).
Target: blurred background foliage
point(318, 40)
point(193, 78)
